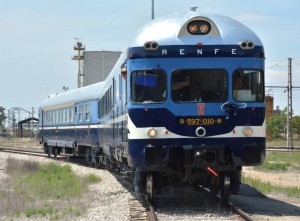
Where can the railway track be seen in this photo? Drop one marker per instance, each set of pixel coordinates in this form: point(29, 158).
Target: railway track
point(141, 209)
point(283, 149)
point(187, 202)
point(196, 204)
point(22, 151)
point(240, 212)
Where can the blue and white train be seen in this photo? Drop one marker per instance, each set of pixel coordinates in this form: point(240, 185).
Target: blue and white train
point(187, 107)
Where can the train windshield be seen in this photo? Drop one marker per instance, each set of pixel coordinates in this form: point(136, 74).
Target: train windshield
point(248, 85)
point(199, 85)
point(148, 86)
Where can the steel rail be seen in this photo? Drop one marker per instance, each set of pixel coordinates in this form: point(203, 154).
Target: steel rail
point(240, 212)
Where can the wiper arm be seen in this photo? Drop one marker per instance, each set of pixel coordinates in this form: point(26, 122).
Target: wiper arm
point(231, 108)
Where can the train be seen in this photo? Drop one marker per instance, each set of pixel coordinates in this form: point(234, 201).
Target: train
point(183, 105)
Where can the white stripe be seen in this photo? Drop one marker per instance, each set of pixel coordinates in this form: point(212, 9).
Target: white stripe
point(108, 124)
point(163, 133)
point(70, 127)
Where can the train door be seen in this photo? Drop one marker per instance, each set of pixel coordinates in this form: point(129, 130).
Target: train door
point(123, 112)
point(114, 111)
point(41, 131)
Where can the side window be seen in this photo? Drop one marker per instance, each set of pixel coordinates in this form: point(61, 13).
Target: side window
point(71, 114)
point(67, 115)
point(60, 116)
point(54, 116)
point(45, 117)
point(87, 113)
point(63, 115)
point(248, 85)
point(51, 113)
point(80, 113)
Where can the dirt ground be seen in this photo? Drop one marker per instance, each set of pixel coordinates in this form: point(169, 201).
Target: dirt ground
point(288, 179)
point(270, 207)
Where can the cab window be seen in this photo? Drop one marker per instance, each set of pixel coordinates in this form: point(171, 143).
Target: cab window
point(199, 85)
point(248, 86)
point(148, 86)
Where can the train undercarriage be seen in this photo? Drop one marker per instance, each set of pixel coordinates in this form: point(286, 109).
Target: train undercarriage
point(211, 167)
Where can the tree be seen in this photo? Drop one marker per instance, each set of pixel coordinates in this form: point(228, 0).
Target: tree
point(277, 124)
point(296, 124)
point(2, 116)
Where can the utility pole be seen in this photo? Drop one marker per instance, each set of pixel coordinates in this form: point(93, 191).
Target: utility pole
point(152, 14)
point(290, 107)
point(289, 120)
point(79, 47)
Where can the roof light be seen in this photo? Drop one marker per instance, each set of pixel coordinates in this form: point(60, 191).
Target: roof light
point(193, 28)
point(204, 28)
point(199, 27)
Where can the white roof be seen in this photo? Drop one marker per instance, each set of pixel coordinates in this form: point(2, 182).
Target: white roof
point(87, 93)
point(171, 30)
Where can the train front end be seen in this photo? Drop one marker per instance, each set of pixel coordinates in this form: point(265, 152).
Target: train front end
point(196, 111)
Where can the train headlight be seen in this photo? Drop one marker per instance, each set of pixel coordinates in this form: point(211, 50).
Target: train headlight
point(247, 45)
point(151, 132)
point(199, 27)
point(248, 131)
point(151, 45)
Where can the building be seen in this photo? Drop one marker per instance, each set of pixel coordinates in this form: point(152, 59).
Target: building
point(97, 65)
point(269, 106)
point(269, 111)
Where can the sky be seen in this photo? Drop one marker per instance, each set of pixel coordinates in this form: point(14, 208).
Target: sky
point(38, 37)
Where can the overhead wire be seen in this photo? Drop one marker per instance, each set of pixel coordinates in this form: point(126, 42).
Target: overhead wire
point(276, 64)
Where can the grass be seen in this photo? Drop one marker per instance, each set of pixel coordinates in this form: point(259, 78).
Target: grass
point(277, 162)
point(281, 142)
point(92, 178)
point(43, 190)
point(51, 181)
point(281, 161)
point(268, 188)
point(273, 166)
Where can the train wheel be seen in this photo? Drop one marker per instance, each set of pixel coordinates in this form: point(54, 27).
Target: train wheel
point(55, 152)
point(225, 187)
point(49, 149)
point(149, 186)
point(235, 181)
point(99, 161)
